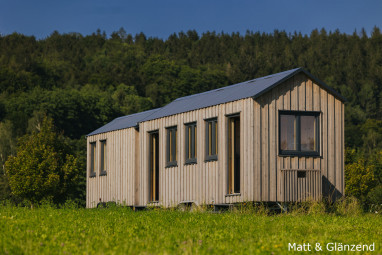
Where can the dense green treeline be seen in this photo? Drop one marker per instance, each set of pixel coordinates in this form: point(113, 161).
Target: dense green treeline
point(83, 82)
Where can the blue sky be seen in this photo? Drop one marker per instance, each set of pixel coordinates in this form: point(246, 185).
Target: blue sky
point(163, 17)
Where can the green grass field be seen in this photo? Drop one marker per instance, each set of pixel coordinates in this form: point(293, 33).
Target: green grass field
point(121, 231)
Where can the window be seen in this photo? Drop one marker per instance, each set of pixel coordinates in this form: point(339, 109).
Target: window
point(154, 166)
point(211, 139)
point(103, 157)
point(191, 130)
point(171, 147)
point(234, 154)
point(299, 133)
point(93, 159)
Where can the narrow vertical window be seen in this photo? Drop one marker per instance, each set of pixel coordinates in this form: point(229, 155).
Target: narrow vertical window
point(171, 154)
point(154, 166)
point(93, 159)
point(190, 143)
point(234, 154)
point(211, 139)
point(103, 157)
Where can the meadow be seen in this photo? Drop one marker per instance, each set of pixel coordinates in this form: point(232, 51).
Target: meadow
point(118, 230)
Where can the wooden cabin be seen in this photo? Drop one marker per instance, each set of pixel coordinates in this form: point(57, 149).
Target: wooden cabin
point(278, 138)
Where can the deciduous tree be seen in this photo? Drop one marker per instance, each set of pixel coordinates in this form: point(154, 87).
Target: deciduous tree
point(43, 167)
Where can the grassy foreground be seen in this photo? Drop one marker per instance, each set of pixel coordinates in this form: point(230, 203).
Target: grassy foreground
point(121, 231)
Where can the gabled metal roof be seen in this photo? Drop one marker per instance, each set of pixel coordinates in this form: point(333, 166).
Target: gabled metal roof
point(253, 88)
point(123, 122)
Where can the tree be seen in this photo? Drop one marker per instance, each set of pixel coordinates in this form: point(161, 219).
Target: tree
point(43, 168)
point(7, 147)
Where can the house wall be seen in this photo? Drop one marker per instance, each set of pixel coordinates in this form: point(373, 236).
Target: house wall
point(121, 162)
point(261, 173)
point(204, 182)
point(301, 94)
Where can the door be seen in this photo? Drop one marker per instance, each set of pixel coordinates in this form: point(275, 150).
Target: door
point(234, 154)
point(154, 166)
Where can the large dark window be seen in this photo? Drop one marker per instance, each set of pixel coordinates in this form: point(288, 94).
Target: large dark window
point(191, 143)
point(103, 157)
point(299, 133)
point(93, 159)
point(211, 139)
point(171, 154)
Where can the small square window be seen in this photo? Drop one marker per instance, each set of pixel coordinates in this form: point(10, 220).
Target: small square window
point(301, 174)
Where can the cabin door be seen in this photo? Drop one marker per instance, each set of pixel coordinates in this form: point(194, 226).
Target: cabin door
point(234, 154)
point(154, 166)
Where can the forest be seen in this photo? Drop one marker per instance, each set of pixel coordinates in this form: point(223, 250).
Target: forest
point(81, 82)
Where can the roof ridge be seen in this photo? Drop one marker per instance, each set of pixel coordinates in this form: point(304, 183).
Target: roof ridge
point(252, 88)
point(234, 85)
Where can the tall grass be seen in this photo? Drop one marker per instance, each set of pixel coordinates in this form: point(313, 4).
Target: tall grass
point(248, 229)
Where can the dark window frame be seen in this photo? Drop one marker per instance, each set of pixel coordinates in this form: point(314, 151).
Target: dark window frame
point(214, 139)
point(298, 152)
point(174, 147)
point(154, 194)
point(229, 192)
point(103, 145)
point(194, 136)
point(93, 159)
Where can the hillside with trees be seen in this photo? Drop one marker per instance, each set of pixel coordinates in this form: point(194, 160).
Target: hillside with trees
point(82, 82)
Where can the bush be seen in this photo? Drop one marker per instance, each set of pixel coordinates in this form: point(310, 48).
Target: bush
point(317, 208)
point(348, 206)
point(359, 179)
point(374, 198)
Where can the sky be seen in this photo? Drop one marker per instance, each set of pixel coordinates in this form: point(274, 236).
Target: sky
point(162, 18)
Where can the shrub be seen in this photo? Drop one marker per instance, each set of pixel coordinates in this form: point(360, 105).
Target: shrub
point(359, 179)
point(374, 198)
point(348, 206)
point(317, 208)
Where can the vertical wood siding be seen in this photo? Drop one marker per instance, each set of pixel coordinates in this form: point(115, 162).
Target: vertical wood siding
point(299, 93)
point(264, 175)
point(119, 184)
point(204, 182)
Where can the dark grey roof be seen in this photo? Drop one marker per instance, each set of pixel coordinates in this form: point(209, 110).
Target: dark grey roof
point(253, 88)
point(123, 122)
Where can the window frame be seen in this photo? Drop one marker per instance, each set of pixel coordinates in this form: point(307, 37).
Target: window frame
point(231, 192)
point(103, 159)
point(93, 159)
point(298, 152)
point(194, 137)
point(174, 147)
point(214, 139)
point(153, 194)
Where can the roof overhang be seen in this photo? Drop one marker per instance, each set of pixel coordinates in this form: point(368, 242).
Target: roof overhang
point(311, 76)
